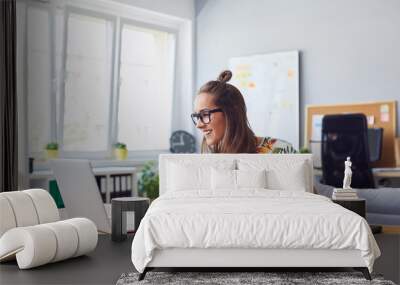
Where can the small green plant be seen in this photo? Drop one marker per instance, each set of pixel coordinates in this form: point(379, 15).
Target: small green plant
point(286, 149)
point(120, 145)
point(304, 150)
point(52, 146)
point(149, 181)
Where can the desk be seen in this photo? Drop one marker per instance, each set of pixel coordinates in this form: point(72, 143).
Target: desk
point(387, 172)
point(387, 177)
point(384, 177)
point(47, 175)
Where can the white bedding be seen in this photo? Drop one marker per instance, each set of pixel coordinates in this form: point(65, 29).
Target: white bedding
point(251, 218)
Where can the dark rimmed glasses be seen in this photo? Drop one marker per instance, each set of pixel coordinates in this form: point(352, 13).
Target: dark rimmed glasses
point(204, 116)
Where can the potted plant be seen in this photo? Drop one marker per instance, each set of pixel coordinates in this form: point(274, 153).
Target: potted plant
point(52, 150)
point(149, 181)
point(304, 150)
point(120, 151)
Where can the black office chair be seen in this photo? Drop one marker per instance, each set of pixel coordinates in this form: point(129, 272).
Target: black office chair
point(343, 136)
point(375, 141)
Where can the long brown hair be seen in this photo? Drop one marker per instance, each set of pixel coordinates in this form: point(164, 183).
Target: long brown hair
point(238, 137)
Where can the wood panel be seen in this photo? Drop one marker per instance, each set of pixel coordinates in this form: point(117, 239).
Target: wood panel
point(387, 122)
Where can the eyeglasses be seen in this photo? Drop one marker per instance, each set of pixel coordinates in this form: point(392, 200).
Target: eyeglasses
point(204, 116)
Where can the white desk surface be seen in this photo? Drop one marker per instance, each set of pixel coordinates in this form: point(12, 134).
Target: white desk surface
point(109, 170)
point(389, 172)
point(386, 169)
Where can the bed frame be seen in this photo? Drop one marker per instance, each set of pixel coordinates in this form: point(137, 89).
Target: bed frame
point(245, 258)
point(256, 258)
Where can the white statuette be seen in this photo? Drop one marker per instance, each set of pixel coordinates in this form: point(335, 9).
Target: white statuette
point(347, 174)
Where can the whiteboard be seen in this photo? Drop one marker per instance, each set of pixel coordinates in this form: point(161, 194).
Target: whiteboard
point(270, 86)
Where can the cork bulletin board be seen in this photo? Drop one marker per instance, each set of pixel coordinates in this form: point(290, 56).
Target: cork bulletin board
point(381, 114)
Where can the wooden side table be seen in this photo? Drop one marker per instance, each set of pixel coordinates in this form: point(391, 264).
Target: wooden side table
point(355, 205)
point(119, 207)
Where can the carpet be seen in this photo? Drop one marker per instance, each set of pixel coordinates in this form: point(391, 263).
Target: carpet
point(225, 278)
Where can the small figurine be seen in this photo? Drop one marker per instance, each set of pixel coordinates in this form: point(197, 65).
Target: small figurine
point(347, 174)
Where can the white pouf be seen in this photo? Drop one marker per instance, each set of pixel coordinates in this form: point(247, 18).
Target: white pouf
point(31, 232)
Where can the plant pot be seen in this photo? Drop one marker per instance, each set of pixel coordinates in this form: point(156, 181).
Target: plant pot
point(51, 153)
point(120, 153)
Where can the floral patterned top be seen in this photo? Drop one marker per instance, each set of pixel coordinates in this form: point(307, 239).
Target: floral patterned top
point(273, 145)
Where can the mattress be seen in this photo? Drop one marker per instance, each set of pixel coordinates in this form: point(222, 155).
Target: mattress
point(251, 219)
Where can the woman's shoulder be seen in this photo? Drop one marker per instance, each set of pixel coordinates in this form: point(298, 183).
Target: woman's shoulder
point(274, 145)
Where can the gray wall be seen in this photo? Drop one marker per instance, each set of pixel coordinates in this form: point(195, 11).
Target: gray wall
point(350, 49)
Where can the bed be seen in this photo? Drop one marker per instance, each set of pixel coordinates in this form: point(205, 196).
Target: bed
point(247, 210)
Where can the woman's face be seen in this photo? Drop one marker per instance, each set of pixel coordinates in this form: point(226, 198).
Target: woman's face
point(213, 131)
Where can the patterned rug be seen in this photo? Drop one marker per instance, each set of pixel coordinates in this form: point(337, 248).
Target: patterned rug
point(228, 278)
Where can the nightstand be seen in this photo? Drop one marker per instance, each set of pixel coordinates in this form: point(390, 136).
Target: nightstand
point(358, 206)
point(355, 205)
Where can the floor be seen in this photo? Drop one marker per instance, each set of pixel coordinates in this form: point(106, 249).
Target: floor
point(110, 260)
point(389, 262)
point(103, 266)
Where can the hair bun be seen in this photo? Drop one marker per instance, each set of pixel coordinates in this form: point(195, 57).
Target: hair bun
point(225, 76)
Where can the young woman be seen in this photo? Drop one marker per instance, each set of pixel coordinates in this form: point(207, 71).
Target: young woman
point(220, 113)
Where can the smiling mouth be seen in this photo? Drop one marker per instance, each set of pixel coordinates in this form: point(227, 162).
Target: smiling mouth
point(207, 132)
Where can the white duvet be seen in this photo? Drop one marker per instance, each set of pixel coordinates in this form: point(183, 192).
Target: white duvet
point(252, 218)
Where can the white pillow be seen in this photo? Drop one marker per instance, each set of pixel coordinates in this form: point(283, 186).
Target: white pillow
point(223, 179)
point(294, 178)
point(284, 171)
point(237, 179)
point(189, 175)
point(251, 178)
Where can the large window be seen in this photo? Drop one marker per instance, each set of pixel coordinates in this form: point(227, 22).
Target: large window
point(95, 79)
point(87, 95)
point(146, 88)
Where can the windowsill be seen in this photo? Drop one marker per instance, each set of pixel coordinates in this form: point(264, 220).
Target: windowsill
point(137, 162)
point(135, 158)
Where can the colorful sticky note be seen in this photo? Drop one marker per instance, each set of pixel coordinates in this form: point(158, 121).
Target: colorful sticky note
point(371, 120)
point(252, 85)
point(384, 108)
point(290, 73)
point(384, 117)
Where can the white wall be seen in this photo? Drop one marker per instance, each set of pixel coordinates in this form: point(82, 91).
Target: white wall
point(350, 49)
point(179, 8)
